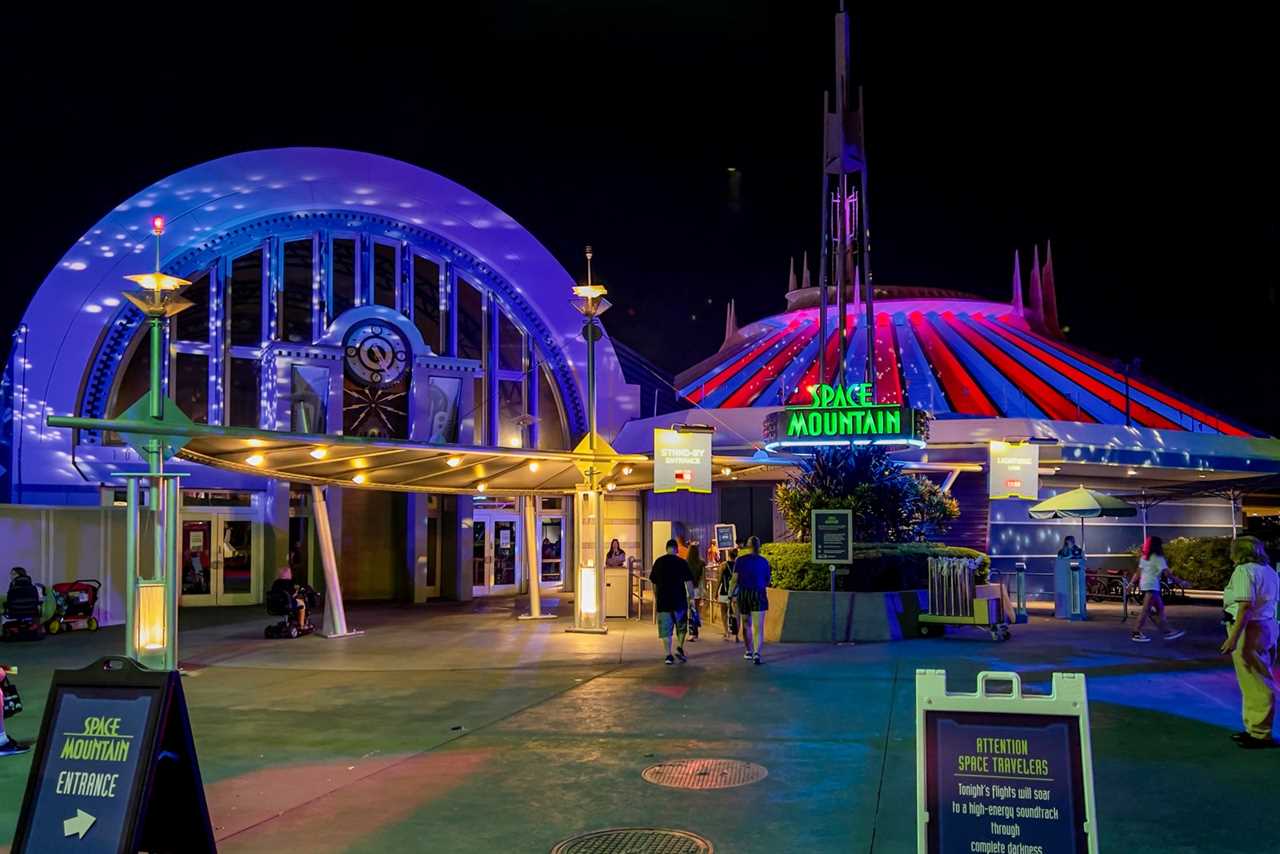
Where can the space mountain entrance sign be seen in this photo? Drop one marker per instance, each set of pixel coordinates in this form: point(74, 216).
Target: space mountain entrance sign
point(840, 415)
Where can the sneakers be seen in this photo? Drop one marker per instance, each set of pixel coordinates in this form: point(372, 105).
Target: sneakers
point(1251, 743)
point(757, 659)
point(12, 747)
point(1139, 637)
point(680, 654)
point(670, 660)
point(746, 655)
point(1175, 634)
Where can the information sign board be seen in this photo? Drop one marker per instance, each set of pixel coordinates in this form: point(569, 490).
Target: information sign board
point(115, 768)
point(1004, 772)
point(831, 536)
point(726, 536)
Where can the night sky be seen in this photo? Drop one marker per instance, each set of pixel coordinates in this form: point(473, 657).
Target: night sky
point(1141, 147)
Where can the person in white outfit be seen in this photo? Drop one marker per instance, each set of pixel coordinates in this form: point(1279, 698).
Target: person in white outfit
point(1152, 567)
point(1250, 600)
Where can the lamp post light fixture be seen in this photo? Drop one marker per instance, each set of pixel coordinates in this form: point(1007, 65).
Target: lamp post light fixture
point(588, 601)
point(151, 633)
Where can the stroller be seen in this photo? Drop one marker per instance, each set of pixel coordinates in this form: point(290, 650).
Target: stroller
point(23, 608)
point(74, 604)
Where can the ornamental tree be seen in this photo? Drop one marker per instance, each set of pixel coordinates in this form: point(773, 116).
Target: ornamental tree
point(889, 505)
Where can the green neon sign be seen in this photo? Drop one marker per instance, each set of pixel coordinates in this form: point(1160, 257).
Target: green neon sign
point(843, 415)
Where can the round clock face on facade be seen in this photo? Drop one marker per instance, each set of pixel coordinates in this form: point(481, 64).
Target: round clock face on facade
point(375, 353)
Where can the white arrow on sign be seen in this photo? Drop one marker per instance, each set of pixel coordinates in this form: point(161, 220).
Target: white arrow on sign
point(79, 825)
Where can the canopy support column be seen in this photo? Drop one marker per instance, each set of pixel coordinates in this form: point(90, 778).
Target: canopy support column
point(335, 612)
point(533, 559)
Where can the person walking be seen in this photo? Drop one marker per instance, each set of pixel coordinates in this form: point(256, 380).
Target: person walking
point(672, 588)
point(698, 569)
point(1152, 568)
point(726, 590)
point(1250, 599)
point(754, 576)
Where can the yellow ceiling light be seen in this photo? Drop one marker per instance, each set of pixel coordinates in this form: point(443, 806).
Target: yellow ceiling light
point(726, 471)
point(481, 486)
point(611, 486)
point(255, 443)
point(453, 462)
point(359, 478)
point(319, 453)
point(254, 459)
point(627, 470)
point(533, 465)
point(360, 463)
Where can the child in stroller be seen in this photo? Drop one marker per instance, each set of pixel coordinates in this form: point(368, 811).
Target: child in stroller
point(295, 602)
point(23, 607)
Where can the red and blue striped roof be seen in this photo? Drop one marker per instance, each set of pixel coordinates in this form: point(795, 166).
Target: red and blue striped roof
point(955, 358)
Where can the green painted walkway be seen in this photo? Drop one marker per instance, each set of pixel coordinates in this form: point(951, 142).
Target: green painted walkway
point(457, 728)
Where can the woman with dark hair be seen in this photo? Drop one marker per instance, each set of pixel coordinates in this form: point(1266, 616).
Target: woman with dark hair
point(1250, 600)
point(616, 556)
point(1152, 567)
point(698, 568)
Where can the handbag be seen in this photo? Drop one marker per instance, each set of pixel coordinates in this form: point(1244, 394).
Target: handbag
point(12, 700)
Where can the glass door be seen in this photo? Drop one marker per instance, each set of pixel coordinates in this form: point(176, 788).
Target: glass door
point(221, 559)
point(495, 555)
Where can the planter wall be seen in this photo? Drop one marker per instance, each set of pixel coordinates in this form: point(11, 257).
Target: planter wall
point(803, 616)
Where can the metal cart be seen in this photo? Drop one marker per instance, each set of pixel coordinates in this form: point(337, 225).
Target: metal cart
point(955, 601)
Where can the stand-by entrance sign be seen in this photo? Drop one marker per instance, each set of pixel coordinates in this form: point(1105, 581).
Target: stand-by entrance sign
point(1004, 773)
point(726, 536)
point(115, 770)
point(831, 536)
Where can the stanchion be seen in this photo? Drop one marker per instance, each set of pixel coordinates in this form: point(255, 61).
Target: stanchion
point(1020, 592)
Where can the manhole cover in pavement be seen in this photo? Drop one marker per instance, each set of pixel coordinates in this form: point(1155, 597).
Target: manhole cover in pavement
point(635, 840)
point(705, 773)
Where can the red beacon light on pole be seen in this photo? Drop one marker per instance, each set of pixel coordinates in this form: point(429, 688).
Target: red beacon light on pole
point(157, 225)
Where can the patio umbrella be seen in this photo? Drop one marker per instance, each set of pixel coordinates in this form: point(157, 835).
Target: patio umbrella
point(1081, 503)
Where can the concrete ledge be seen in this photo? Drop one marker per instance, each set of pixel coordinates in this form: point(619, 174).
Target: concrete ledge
point(804, 616)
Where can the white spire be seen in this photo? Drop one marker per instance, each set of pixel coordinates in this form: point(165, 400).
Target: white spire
point(791, 276)
point(1037, 297)
point(857, 291)
point(730, 324)
point(804, 281)
point(1017, 285)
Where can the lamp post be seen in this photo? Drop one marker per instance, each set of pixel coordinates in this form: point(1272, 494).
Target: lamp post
point(151, 631)
point(588, 608)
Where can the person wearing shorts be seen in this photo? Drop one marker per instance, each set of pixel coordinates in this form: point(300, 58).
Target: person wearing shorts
point(1152, 567)
point(672, 590)
point(754, 576)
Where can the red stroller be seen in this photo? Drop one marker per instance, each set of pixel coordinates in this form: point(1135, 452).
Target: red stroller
point(74, 604)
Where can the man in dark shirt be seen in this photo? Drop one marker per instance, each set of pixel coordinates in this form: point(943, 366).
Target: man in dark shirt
point(672, 589)
point(754, 577)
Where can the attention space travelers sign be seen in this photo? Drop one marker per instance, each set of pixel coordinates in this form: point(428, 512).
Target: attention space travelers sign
point(1004, 773)
point(1014, 470)
point(843, 415)
point(682, 460)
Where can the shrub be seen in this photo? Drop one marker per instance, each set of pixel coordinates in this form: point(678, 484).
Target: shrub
point(876, 566)
point(1203, 562)
point(889, 505)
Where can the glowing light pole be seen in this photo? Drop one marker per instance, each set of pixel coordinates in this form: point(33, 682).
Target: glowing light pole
point(588, 601)
point(151, 632)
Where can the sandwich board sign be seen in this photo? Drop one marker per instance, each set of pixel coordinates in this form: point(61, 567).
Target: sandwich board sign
point(1002, 772)
point(115, 769)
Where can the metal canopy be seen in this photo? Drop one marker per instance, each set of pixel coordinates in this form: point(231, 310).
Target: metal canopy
point(359, 463)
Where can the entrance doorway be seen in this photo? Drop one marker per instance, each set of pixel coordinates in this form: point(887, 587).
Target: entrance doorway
point(496, 553)
point(221, 559)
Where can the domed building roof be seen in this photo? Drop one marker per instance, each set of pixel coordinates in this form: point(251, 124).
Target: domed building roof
point(949, 354)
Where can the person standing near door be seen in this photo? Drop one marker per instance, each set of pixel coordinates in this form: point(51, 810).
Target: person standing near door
point(754, 576)
point(673, 588)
